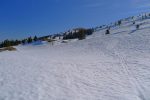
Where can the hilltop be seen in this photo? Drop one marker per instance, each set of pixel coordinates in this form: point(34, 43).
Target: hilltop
point(112, 63)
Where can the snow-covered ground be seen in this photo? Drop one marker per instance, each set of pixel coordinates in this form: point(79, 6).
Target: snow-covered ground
point(101, 67)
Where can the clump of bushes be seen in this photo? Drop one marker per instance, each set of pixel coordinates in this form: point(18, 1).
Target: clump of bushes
point(78, 33)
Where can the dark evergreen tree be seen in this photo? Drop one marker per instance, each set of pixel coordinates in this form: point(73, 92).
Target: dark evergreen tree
point(137, 26)
point(16, 42)
point(23, 41)
point(119, 22)
point(81, 35)
point(7, 43)
point(29, 40)
point(89, 31)
point(107, 31)
point(35, 38)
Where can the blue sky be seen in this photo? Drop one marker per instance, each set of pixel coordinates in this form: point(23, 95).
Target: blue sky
point(23, 18)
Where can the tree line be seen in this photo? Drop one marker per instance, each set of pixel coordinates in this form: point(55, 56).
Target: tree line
point(78, 34)
point(8, 43)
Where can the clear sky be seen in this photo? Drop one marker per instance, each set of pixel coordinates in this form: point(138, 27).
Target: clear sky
point(22, 18)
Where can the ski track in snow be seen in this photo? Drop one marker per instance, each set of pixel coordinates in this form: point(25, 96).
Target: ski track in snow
point(101, 67)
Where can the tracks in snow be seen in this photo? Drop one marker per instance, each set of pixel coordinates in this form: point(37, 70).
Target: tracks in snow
point(133, 80)
point(110, 48)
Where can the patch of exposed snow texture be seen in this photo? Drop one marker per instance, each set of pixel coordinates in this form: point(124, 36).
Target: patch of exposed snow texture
point(101, 67)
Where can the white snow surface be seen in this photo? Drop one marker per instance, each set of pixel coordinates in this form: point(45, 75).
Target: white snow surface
point(101, 67)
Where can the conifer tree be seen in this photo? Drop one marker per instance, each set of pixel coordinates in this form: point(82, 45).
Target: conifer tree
point(107, 31)
point(119, 22)
point(137, 26)
point(35, 38)
point(82, 34)
point(29, 40)
point(23, 41)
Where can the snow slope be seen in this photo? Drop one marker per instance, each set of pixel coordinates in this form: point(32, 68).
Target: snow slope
point(101, 67)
